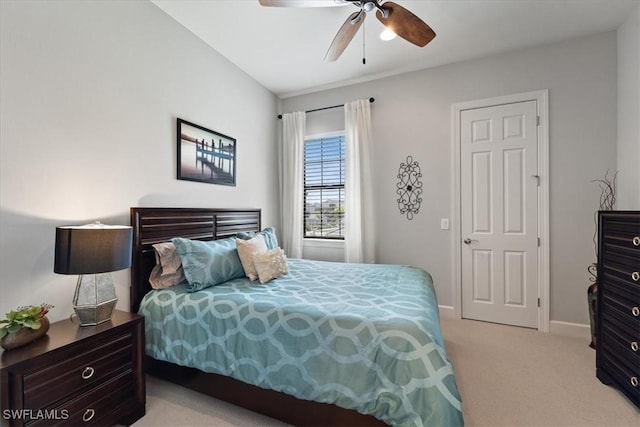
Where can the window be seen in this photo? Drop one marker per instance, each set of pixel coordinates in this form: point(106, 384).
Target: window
point(324, 187)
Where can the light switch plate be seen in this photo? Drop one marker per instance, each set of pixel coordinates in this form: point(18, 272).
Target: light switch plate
point(444, 223)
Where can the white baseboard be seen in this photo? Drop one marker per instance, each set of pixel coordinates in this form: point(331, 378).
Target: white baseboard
point(447, 312)
point(577, 330)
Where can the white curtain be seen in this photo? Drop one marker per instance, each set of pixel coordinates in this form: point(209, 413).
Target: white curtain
point(291, 182)
point(359, 236)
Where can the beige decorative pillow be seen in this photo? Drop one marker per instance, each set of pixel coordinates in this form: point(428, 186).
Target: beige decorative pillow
point(168, 270)
point(246, 250)
point(270, 264)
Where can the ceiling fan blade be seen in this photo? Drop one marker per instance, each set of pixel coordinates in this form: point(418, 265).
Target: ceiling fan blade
point(303, 3)
point(344, 36)
point(405, 24)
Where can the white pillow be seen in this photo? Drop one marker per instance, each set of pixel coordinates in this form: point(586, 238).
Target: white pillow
point(246, 250)
point(168, 270)
point(270, 264)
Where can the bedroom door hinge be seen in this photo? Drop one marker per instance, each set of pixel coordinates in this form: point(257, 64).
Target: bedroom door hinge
point(538, 242)
point(537, 120)
point(538, 302)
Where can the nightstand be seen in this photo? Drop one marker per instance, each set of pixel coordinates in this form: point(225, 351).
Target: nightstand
point(77, 375)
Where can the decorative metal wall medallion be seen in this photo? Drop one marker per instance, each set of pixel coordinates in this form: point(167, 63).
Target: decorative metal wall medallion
point(409, 188)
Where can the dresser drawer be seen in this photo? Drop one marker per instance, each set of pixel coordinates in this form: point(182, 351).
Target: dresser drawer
point(626, 276)
point(621, 229)
point(621, 344)
point(625, 377)
point(104, 360)
point(98, 406)
point(622, 329)
point(620, 296)
point(624, 260)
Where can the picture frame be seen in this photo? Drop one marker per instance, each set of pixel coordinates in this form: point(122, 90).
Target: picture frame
point(205, 155)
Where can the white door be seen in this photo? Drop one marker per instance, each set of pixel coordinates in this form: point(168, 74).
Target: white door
point(499, 213)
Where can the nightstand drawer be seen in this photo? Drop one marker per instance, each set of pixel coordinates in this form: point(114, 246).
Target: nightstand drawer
point(99, 406)
point(105, 360)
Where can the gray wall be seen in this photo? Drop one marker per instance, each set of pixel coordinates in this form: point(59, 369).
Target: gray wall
point(629, 113)
point(412, 116)
point(90, 95)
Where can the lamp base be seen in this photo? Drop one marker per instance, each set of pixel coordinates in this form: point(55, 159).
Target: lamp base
point(94, 298)
point(91, 315)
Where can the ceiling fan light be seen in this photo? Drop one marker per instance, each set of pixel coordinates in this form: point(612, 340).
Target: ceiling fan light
point(387, 34)
point(368, 6)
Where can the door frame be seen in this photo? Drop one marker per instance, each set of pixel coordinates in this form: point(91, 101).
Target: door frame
point(542, 99)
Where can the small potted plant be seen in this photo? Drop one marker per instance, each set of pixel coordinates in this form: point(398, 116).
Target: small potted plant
point(24, 325)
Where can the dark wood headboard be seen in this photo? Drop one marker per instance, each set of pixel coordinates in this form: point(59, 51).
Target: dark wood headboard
point(157, 225)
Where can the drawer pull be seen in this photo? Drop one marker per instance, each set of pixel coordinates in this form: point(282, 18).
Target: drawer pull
point(87, 373)
point(636, 241)
point(634, 381)
point(90, 413)
point(634, 346)
point(635, 311)
point(635, 276)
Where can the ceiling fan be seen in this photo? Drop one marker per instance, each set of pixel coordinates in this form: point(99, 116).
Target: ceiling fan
point(393, 16)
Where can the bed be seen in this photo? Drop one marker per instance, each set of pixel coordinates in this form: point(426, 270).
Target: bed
point(326, 344)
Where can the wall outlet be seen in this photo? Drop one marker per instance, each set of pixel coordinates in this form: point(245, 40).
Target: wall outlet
point(444, 223)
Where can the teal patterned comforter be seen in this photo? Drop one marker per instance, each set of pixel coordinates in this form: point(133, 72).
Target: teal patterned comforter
point(363, 337)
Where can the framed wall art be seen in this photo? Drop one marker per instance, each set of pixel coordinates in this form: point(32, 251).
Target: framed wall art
point(205, 155)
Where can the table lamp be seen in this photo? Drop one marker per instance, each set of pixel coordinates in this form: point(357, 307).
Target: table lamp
point(93, 251)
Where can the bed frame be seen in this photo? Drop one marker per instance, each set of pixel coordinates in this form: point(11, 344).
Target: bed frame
point(156, 225)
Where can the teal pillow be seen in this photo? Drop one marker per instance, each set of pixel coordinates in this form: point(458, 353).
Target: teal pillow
point(208, 263)
point(268, 233)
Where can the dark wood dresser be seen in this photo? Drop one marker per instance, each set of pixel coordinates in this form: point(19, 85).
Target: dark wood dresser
point(90, 375)
point(618, 307)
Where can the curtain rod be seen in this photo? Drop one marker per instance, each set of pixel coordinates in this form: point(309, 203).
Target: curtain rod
point(326, 108)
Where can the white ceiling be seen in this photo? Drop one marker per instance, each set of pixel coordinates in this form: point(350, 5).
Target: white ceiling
point(284, 48)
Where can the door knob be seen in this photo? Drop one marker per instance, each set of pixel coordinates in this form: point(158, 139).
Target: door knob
point(468, 241)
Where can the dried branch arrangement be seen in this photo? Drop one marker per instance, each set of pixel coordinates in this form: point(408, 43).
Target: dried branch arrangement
point(607, 203)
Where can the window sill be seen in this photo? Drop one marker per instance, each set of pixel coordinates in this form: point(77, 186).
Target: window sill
point(323, 243)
